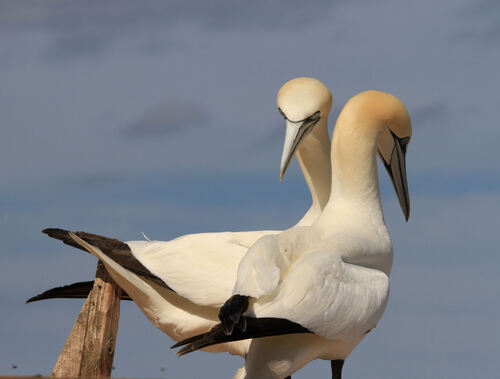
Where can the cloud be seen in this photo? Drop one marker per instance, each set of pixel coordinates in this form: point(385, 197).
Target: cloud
point(428, 113)
point(115, 14)
point(90, 27)
point(166, 119)
point(76, 44)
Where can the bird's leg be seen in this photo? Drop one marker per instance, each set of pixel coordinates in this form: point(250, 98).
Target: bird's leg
point(289, 377)
point(337, 368)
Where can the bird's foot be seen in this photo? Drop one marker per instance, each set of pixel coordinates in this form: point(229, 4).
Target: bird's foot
point(231, 314)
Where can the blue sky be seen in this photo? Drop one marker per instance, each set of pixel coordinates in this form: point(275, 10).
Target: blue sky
point(121, 117)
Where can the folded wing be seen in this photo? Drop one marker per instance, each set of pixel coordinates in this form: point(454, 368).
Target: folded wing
point(199, 267)
point(321, 294)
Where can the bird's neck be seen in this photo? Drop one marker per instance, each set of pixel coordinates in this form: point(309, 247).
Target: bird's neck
point(354, 182)
point(313, 155)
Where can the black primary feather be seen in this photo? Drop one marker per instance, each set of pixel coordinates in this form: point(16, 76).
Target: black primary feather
point(79, 290)
point(255, 328)
point(113, 248)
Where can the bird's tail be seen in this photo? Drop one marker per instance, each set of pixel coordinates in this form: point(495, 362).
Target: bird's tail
point(256, 328)
point(79, 290)
point(112, 248)
point(64, 236)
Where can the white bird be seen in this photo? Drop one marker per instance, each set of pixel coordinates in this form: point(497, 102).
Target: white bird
point(181, 284)
point(329, 279)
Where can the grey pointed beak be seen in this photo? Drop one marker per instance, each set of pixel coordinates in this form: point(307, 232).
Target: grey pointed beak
point(396, 167)
point(295, 134)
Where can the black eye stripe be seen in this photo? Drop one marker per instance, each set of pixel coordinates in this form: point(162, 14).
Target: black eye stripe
point(315, 116)
point(404, 143)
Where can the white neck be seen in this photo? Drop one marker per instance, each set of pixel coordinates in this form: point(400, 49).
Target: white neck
point(313, 155)
point(354, 183)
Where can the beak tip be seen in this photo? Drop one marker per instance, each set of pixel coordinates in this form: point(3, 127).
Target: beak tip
point(407, 215)
point(283, 170)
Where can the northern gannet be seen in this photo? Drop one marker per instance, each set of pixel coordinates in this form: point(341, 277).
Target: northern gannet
point(181, 284)
point(314, 292)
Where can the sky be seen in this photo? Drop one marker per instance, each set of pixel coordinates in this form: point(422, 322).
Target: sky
point(122, 117)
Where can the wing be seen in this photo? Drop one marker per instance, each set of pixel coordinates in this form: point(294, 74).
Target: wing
point(79, 290)
point(200, 267)
point(260, 270)
point(334, 299)
point(117, 250)
point(256, 328)
point(321, 294)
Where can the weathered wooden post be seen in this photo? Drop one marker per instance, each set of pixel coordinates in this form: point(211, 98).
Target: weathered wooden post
point(90, 347)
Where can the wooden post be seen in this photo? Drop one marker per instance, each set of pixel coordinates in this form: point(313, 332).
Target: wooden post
point(90, 348)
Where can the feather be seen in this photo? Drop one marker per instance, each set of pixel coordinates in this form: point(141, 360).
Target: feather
point(256, 328)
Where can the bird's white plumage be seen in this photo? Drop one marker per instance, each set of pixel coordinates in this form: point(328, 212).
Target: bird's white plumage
point(202, 268)
point(267, 261)
point(334, 299)
point(330, 277)
point(199, 267)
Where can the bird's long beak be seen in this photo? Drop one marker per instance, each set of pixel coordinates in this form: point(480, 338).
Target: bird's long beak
point(396, 167)
point(295, 134)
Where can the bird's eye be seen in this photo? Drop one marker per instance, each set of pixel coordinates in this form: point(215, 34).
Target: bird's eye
point(281, 112)
point(315, 116)
point(404, 143)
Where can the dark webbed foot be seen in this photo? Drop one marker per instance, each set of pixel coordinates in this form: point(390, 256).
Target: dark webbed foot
point(231, 314)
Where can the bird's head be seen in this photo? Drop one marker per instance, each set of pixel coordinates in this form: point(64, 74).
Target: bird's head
point(382, 117)
point(304, 103)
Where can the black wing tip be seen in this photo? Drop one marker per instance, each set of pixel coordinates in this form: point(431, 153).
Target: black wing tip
point(79, 290)
point(34, 298)
point(56, 232)
point(185, 342)
point(71, 291)
point(63, 233)
point(200, 341)
point(185, 350)
point(256, 328)
point(41, 296)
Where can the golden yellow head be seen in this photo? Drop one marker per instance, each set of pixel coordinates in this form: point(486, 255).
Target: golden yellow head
point(374, 118)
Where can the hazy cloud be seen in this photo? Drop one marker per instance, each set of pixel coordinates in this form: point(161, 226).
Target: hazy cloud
point(166, 119)
point(90, 26)
point(63, 163)
point(428, 113)
point(115, 14)
point(76, 44)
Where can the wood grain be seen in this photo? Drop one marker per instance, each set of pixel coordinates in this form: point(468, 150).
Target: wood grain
point(90, 347)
